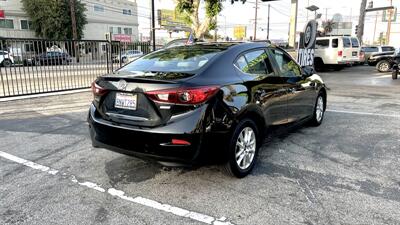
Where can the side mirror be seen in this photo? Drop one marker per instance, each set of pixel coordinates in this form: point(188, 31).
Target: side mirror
point(308, 71)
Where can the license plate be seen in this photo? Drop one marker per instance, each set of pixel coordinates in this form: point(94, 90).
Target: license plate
point(354, 53)
point(125, 101)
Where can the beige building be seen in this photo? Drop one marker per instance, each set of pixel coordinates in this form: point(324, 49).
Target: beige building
point(116, 16)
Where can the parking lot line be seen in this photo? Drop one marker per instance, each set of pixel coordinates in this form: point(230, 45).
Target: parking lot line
point(120, 194)
point(363, 113)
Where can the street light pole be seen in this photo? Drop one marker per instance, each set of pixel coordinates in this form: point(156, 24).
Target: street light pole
point(153, 26)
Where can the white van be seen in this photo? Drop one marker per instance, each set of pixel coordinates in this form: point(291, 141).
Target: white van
point(336, 52)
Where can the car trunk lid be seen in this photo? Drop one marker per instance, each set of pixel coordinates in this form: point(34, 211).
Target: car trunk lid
point(126, 100)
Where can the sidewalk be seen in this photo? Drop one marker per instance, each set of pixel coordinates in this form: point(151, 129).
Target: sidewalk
point(49, 105)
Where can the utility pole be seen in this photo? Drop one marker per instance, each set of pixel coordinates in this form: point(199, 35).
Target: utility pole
point(376, 20)
point(73, 19)
point(308, 4)
point(216, 28)
point(255, 22)
point(361, 19)
point(269, 8)
point(326, 14)
point(293, 23)
point(389, 24)
point(153, 26)
point(74, 31)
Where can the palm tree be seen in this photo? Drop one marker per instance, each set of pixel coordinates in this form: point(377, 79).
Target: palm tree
point(327, 26)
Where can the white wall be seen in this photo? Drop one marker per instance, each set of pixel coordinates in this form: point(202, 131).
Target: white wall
point(98, 22)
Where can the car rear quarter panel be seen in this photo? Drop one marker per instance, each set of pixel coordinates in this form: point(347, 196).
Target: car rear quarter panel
point(234, 100)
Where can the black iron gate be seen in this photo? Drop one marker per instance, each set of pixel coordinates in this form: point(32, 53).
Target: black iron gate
point(32, 66)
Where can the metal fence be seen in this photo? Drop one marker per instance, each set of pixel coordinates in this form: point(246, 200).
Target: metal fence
point(32, 66)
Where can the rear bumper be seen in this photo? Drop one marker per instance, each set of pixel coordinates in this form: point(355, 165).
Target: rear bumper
point(151, 143)
point(349, 61)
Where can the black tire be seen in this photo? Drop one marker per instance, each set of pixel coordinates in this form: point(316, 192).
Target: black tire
point(316, 120)
point(7, 63)
point(338, 68)
point(383, 66)
point(319, 64)
point(395, 74)
point(231, 165)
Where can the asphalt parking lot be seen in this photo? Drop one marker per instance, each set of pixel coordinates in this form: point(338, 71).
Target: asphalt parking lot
point(344, 172)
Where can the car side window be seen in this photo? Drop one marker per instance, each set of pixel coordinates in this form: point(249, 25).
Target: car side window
point(322, 43)
point(335, 43)
point(287, 66)
point(255, 62)
point(241, 63)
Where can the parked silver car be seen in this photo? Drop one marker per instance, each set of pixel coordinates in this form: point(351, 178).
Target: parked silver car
point(128, 56)
point(370, 50)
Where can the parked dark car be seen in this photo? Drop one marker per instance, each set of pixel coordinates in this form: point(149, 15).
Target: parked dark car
point(50, 58)
point(369, 50)
point(384, 61)
point(204, 101)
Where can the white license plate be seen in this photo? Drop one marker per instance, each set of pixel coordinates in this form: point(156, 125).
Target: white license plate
point(125, 101)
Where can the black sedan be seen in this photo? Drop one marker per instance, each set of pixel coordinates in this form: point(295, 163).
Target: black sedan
point(384, 61)
point(50, 58)
point(192, 103)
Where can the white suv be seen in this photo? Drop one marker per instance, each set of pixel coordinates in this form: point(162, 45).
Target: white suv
point(336, 52)
point(6, 59)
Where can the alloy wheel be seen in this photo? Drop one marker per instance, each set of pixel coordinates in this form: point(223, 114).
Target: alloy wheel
point(384, 67)
point(6, 63)
point(245, 148)
point(319, 110)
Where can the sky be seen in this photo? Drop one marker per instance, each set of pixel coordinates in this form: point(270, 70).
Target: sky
point(243, 14)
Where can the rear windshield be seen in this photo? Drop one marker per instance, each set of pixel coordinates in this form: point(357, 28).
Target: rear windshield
point(370, 49)
point(184, 59)
point(346, 43)
point(354, 43)
point(387, 49)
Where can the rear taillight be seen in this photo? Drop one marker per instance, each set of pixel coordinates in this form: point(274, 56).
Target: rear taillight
point(97, 90)
point(340, 53)
point(190, 96)
point(179, 142)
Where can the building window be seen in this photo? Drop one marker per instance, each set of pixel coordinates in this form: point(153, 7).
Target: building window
point(128, 31)
point(98, 8)
point(7, 23)
point(126, 12)
point(116, 30)
point(26, 25)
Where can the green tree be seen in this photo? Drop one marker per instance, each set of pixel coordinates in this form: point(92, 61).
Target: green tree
point(52, 18)
point(190, 9)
